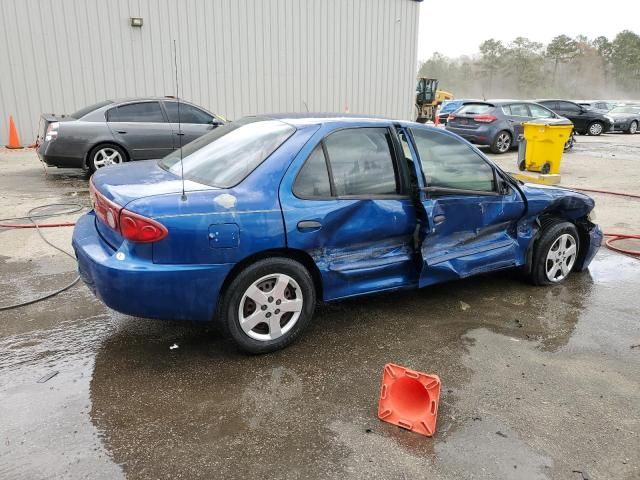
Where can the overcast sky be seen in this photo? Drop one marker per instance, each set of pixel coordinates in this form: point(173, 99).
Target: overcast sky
point(469, 22)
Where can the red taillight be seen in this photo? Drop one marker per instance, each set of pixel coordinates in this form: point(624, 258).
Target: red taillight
point(132, 226)
point(485, 118)
point(105, 209)
point(141, 229)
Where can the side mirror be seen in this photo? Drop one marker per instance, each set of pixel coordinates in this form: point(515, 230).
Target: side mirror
point(503, 186)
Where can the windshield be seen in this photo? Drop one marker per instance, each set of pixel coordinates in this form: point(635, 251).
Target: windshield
point(635, 110)
point(225, 156)
point(86, 110)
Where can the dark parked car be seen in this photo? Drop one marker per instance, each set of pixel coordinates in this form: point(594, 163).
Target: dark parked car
point(450, 106)
point(585, 120)
point(626, 118)
point(282, 211)
point(497, 123)
point(116, 131)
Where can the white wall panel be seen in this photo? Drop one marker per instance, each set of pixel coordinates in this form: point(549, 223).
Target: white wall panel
point(236, 57)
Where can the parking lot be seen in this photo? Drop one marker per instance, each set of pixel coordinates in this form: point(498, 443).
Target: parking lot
point(537, 382)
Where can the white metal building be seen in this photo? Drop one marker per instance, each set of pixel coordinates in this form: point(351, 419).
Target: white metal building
point(237, 56)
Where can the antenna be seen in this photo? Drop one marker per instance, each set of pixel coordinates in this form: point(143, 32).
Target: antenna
point(175, 63)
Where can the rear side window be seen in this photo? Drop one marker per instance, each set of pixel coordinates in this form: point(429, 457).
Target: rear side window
point(313, 179)
point(146, 112)
point(449, 163)
point(227, 155)
point(188, 113)
point(519, 110)
point(361, 161)
point(474, 108)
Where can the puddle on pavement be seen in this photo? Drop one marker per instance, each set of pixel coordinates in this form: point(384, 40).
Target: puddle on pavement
point(310, 410)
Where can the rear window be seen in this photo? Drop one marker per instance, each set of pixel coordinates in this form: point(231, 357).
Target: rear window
point(91, 108)
point(227, 155)
point(474, 108)
point(449, 107)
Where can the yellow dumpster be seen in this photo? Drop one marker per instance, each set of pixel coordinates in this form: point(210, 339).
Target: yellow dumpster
point(543, 144)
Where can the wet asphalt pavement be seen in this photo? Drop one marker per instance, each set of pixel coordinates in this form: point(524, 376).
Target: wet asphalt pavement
point(537, 382)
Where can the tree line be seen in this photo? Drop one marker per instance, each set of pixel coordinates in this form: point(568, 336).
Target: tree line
point(575, 68)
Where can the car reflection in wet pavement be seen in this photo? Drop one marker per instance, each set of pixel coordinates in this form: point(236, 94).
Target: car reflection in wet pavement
point(537, 382)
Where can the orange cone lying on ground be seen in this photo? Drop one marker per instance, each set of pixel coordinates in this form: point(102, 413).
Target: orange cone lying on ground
point(14, 140)
point(409, 399)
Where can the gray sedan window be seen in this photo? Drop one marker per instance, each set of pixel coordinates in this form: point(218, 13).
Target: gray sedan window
point(146, 112)
point(188, 113)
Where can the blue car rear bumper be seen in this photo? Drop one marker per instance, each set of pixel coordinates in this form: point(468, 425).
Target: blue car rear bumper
point(140, 287)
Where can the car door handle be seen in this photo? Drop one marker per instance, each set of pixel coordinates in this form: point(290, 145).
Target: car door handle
point(439, 219)
point(309, 226)
point(181, 134)
point(121, 131)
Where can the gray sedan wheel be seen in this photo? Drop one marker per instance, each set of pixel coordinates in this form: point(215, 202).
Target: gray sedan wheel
point(633, 128)
point(105, 156)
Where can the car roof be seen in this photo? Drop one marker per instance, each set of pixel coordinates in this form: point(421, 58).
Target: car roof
point(317, 118)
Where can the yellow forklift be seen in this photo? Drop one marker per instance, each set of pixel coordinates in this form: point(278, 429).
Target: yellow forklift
point(429, 98)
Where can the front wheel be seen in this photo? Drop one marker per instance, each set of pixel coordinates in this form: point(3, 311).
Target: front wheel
point(633, 128)
point(555, 253)
point(502, 142)
point(595, 129)
point(268, 305)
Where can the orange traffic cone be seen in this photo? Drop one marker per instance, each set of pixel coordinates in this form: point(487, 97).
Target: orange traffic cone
point(14, 140)
point(409, 399)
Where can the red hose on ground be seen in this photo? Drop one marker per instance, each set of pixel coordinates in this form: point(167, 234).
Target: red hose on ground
point(40, 225)
point(608, 192)
point(615, 237)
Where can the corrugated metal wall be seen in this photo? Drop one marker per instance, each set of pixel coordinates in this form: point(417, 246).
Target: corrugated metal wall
point(237, 56)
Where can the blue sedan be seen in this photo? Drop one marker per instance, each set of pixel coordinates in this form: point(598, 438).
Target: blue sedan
point(264, 216)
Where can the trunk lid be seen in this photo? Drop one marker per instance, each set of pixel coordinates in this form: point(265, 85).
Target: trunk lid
point(113, 188)
point(47, 119)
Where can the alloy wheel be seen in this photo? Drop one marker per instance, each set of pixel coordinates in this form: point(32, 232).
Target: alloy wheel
point(270, 307)
point(106, 156)
point(561, 257)
point(503, 142)
point(595, 129)
point(633, 128)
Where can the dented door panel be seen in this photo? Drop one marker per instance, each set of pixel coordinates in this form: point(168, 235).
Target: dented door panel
point(363, 245)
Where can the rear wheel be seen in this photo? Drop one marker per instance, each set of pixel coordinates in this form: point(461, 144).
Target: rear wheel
point(105, 156)
point(268, 305)
point(633, 128)
point(502, 142)
point(555, 253)
point(595, 128)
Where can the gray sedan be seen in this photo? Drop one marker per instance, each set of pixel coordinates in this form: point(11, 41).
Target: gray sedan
point(626, 118)
point(112, 132)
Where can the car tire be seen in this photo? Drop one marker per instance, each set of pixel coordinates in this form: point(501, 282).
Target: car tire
point(595, 129)
point(105, 154)
point(633, 128)
point(502, 142)
point(253, 303)
point(555, 252)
